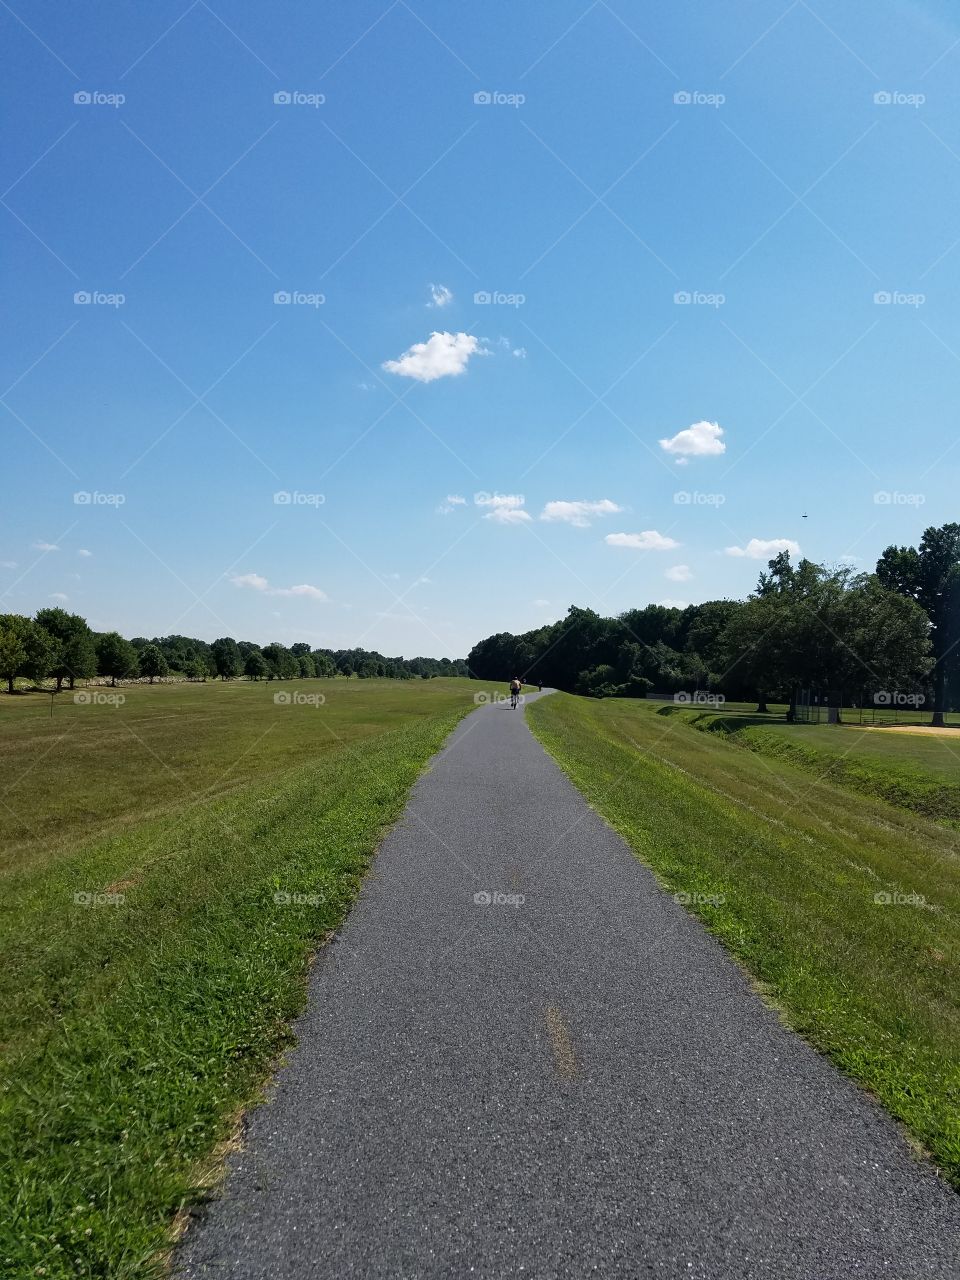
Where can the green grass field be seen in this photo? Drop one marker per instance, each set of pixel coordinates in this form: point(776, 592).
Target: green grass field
point(788, 868)
point(171, 865)
point(910, 770)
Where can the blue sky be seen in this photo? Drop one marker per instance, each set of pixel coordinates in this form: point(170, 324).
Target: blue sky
point(727, 228)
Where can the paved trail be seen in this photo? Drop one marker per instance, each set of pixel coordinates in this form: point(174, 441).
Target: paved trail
point(582, 1084)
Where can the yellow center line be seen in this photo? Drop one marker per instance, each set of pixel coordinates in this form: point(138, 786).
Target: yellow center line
point(564, 1057)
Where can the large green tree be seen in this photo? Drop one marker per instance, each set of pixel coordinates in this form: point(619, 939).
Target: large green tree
point(930, 575)
point(75, 657)
point(255, 665)
point(14, 635)
point(116, 657)
point(226, 657)
point(153, 663)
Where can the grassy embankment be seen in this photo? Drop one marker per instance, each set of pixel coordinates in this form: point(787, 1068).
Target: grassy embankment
point(796, 864)
point(170, 865)
point(912, 770)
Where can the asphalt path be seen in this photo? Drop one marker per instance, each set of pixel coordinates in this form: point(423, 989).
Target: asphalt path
point(521, 1057)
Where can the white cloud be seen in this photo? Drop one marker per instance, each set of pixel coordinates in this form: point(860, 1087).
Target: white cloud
point(577, 512)
point(649, 540)
point(84, 552)
point(257, 582)
point(505, 508)
point(508, 515)
point(46, 546)
point(250, 580)
point(313, 593)
point(679, 573)
point(520, 353)
point(702, 440)
point(8, 564)
point(764, 548)
point(440, 296)
point(442, 355)
point(58, 595)
point(541, 604)
point(670, 603)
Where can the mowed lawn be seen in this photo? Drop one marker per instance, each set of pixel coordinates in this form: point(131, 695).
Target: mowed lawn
point(170, 865)
point(786, 869)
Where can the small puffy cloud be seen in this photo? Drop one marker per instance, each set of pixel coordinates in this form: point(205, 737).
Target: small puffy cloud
point(442, 355)
point(8, 564)
point(58, 595)
point(253, 580)
point(505, 508)
point(679, 573)
point(764, 548)
point(670, 603)
point(440, 296)
point(648, 540)
point(702, 440)
point(45, 546)
point(520, 353)
point(84, 552)
point(312, 593)
point(257, 582)
point(541, 604)
point(579, 512)
point(508, 515)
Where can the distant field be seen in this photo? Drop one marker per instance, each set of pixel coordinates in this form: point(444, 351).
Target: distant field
point(911, 770)
point(785, 868)
point(170, 865)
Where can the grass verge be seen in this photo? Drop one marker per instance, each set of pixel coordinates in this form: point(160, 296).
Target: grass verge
point(845, 910)
point(149, 977)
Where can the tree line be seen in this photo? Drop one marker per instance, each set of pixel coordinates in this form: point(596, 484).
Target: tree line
point(805, 626)
point(61, 646)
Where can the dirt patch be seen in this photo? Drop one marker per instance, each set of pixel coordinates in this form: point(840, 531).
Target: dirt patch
point(925, 730)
